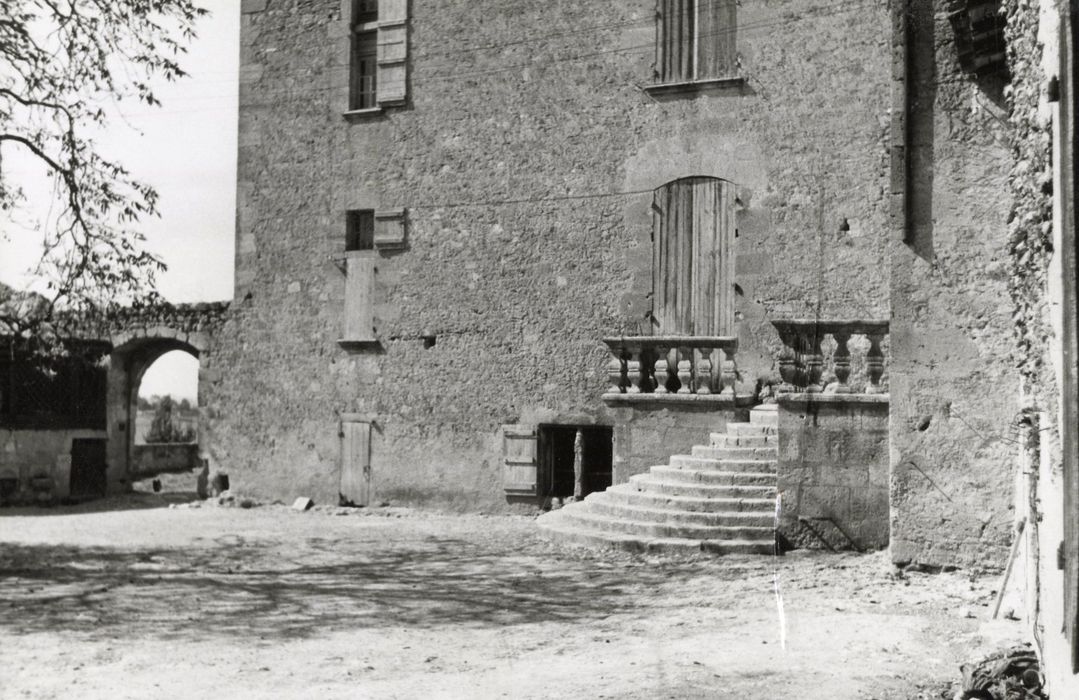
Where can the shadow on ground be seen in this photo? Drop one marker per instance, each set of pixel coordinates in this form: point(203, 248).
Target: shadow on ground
point(235, 586)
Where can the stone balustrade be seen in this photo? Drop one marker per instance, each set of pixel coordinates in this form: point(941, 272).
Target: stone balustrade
point(801, 363)
point(672, 365)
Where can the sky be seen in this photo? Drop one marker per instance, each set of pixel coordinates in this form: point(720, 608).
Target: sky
point(186, 149)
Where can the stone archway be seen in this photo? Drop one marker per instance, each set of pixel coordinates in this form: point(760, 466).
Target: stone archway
point(134, 351)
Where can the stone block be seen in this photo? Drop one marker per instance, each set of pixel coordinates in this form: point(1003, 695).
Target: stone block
point(302, 503)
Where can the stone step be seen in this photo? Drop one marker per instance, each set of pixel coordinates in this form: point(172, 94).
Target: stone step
point(554, 525)
point(753, 440)
point(582, 515)
point(630, 496)
point(739, 488)
point(710, 464)
point(750, 429)
point(764, 476)
point(763, 517)
point(733, 454)
point(765, 415)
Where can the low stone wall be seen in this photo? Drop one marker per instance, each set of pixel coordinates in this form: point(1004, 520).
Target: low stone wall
point(833, 470)
point(647, 430)
point(160, 458)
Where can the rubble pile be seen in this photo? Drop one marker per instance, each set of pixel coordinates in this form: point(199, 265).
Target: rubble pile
point(1012, 674)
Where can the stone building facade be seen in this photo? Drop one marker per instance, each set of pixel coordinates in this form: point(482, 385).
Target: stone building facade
point(499, 179)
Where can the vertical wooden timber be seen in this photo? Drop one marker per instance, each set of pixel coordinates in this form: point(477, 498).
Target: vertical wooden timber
point(1069, 105)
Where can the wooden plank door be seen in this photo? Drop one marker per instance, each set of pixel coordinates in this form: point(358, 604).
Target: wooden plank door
point(355, 487)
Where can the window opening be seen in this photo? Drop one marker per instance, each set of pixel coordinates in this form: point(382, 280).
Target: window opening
point(363, 78)
point(360, 230)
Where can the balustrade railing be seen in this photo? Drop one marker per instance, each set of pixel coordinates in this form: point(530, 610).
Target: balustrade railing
point(694, 365)
point(801, 363)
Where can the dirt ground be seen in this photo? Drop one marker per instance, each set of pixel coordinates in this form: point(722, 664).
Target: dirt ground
point(128, 598)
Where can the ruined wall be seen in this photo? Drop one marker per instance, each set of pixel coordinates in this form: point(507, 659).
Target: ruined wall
point(26, 455)
point(833, 471)
point(525, 158)
point(1042, 172)
point(953, 387)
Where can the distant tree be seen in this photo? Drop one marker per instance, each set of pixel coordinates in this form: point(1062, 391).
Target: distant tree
point(144, 404)
point(60, 62)
point(185, 406)
point(163, 428)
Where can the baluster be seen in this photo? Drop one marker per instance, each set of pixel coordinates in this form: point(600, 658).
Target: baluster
point(814, 361)
point(788, 369)
point(703, 370)
point(616, 372)
point(633, 370)
point(730, 372)
point(662, 373)
point(874, 364)
point(842, 361)
point(685, 370)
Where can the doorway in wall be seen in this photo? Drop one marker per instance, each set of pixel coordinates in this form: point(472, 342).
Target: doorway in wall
point(559, 447)
point(88, 464)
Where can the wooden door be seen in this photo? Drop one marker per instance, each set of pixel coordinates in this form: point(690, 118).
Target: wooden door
point(355, 487)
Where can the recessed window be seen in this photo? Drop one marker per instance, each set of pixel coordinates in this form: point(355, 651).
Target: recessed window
point(360, 229)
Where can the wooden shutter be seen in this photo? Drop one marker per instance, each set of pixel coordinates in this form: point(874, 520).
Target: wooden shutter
point(693, 257)
point(677, 19)
point(695, 39)
point(355, 487)
point(360, 274)
point(716, 26)
point(519, 464)
point(390, 229)
point(392, 52)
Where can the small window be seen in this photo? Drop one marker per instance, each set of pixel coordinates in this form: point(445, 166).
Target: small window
point(695, 40)
point(360, 230)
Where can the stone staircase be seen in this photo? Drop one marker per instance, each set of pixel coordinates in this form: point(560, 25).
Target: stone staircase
point(718, 499)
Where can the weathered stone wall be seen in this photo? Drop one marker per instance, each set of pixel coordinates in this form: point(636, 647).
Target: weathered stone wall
point(952, 383)
point(152, 459)
point(646, 434)
point(525, 158)
point(1037, 244)
point(833, 471)
point(28, 454)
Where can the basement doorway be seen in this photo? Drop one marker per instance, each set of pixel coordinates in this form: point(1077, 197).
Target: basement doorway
point(558, 448)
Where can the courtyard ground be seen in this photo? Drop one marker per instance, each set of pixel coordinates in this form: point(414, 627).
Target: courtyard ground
point(127, 598)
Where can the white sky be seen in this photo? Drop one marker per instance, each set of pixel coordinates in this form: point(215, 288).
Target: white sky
point(186, 149)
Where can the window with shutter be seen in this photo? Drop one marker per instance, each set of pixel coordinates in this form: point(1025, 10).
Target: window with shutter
point(693, 257)
point(695, 40)
point(378, 59)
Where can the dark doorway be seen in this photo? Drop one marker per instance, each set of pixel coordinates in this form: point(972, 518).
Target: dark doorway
point(557, 450)
point(88, 468)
